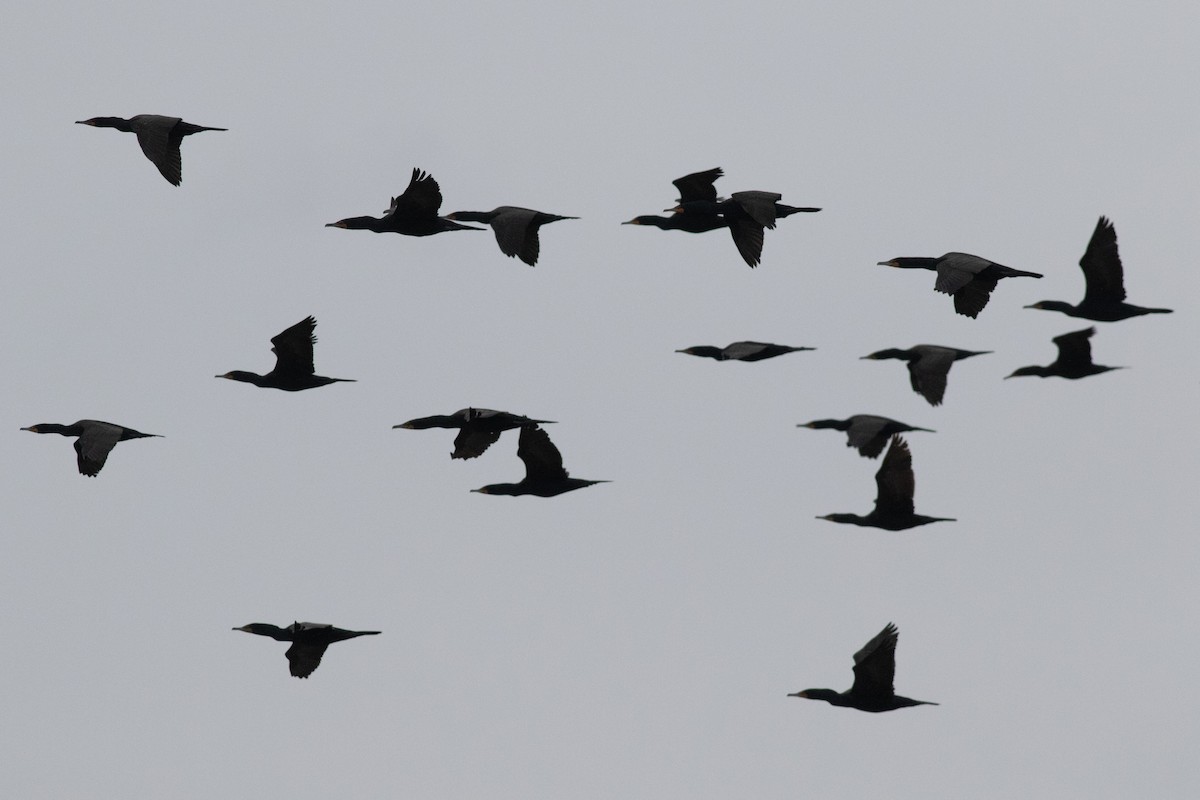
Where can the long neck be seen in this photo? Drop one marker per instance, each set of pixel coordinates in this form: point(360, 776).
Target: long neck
point(110, 122)
point(54, 427)
point(836, 424)
point(510, 489)
point(848, 519)
point(245, 377)
point(704, 350)
point(358, 224)
point(914, 262)
point(828, 695)
point(473, 216)
point(266, 629)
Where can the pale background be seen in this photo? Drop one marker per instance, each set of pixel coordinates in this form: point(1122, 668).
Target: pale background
point(635, 639)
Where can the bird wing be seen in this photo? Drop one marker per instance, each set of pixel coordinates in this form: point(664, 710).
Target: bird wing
point(742, 350)
point(759, 205)
point(293, 348)
point(154, 136)
point(304, 657)
point(1074, 349)
point(93, 446)
point(748, 237)
point(698, 185)
point(1101, 265)
point(875, 666)
point(894, 481)
point(928, 374)
point(515, 235)
point(864, 435)
point(543, 462)
point(973, 296)
point(423, 197)
point(955, 270)
point(472, 442)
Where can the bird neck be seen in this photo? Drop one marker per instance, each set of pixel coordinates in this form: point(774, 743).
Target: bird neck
point(246, 377)
point(359, 224)
point(828, 695)
point(914, 262)
point(848, 519)
point(54, 427)
point(836, 424)
point(472, 216)
point(110, 122)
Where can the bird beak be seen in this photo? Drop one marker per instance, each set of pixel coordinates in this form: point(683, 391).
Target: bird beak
point(338, 224)
point(31, 428)
point(403, 425)
point(891, 263)
point(676, 209)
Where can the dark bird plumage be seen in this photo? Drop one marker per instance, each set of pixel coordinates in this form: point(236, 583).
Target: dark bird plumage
point(1104, 295)
point(970, 279)
point(928, 366)
point(742, 351)
point(746, 214)
point(894, 489)
point(294, 370)
point(478, 428)
point(309, 640)
point(158, 136)
point(866, 432)
point(874, 676)
point(413, 213)
point(544, 473)
point(96, 440)
point(1074, 359)
point(516, 228)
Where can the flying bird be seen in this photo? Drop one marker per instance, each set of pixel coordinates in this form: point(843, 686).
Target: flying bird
point(516, 228)
point(413, 213)
point(294, 370)
point(95, 440)
point(895, 485)
point(478, 428)
point(309, 640)
point(874, 674)
point(928, 366)
point(544, 473)
point(1104, 297)
point(742, 351)
point(1074, 359)
point(970, 279)
point(158, 136)
point(866, 432)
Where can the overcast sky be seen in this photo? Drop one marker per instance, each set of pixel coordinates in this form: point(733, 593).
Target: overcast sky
point(635, 639)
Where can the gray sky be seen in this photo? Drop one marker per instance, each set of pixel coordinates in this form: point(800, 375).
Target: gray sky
point(635, 639)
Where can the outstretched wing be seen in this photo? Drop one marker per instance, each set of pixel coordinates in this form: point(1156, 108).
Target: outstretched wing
point(875, 666)
point(698, 185)
point(759, 205)
point(154, 137)
point(894, 481)
point(304, 657)
point(973, 296)
point(1074, 349)
point(1101, 265)
point(293, 348)
point(472, 442)
point(955, 270)
point(928, 374)
point(94, 445)
point(865, 435)
point(516, 235)
point(748, 236)
point(423, 197)
point(543, 462)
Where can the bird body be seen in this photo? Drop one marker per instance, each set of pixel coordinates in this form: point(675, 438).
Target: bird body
point(970, 279)
point(1104, 276)
point(874, 678)
point(516, 228)
point(866, 432)
point(309, 641)
point(742, 351)
point(158, 136)
point(294, 370)
point(928, 366)
point(544, 473)
point(95, 441)
point(895, 486)
point(1074, 359)
point(478, 428)
point(412, 213)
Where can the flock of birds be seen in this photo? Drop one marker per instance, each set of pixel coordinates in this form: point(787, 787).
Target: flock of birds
point(969, 279)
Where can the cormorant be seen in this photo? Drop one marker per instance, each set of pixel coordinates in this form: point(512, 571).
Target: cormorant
point(746, 214)
point(928, 366)
point(688, 223)
point(874, 674)
point(969, 278)
point(413, 213)
point(544, 473)
point(895, 485)
point(866, 432)
point(1104, 297)
point(158, 136)
point(742, 351)
point(96, 440)
point(1074, 358)
point(516, 228)
point(309, 640)
point(478, 428)
point(294, 370)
